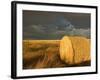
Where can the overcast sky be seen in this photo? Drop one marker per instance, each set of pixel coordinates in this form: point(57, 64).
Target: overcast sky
point(43, 18)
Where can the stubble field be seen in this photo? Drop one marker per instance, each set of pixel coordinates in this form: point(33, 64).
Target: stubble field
point(44, 54)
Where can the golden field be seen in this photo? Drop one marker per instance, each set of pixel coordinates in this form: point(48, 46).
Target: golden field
point(45, 54)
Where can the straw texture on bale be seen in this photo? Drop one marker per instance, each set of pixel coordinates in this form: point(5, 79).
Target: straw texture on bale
point(74, 50)
point(66, 50)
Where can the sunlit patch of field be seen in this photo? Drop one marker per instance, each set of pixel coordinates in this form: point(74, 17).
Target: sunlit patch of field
point(43, 54)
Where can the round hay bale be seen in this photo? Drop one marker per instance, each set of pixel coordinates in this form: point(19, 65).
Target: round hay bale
point(66, 50)
point(75, 50)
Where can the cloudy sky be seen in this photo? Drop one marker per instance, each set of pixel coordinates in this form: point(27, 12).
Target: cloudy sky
point(54, 25)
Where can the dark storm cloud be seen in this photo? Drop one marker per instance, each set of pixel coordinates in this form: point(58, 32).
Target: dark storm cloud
point(54, 25)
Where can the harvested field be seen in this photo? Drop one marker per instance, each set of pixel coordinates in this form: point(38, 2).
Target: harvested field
point(46, 54)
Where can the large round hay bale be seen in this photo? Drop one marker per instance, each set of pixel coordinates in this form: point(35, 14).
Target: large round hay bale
point(74, 50)
point(66, 50)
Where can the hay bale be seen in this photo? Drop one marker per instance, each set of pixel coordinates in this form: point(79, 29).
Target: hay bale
point(66, 50)
point(74, 50)
point(81, 46)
